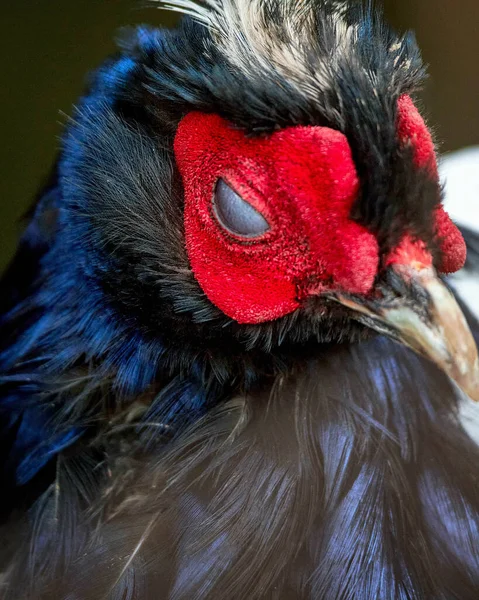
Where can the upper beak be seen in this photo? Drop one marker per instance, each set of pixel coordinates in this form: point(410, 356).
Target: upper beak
point(416, 309)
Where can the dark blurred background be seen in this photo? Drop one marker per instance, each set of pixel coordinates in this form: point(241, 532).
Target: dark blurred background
point(49, 46)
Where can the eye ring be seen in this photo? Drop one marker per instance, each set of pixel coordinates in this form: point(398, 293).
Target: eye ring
point(237, 216)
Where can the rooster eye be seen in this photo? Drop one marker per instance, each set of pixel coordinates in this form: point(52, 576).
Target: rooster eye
point(235, 214)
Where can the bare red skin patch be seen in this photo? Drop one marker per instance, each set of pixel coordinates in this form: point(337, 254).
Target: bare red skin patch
point(304, 182)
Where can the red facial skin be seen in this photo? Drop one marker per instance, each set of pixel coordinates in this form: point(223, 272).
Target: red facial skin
point(304, 182)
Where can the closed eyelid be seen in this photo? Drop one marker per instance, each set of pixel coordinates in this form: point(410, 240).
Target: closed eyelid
point(237, 215)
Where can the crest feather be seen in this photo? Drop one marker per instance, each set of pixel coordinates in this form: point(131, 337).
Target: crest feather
point(261, 36)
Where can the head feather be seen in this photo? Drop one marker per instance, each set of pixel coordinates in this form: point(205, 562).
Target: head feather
point(260, 36)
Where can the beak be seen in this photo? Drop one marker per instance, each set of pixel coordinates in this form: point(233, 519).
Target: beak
point(416, 309)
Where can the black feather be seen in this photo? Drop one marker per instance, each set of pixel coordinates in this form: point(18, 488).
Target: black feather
point(328, 486)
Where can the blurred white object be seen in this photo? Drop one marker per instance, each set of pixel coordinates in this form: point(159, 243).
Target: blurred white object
point(460, 173)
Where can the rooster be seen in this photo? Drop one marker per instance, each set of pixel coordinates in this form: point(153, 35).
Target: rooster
point(231, 364)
